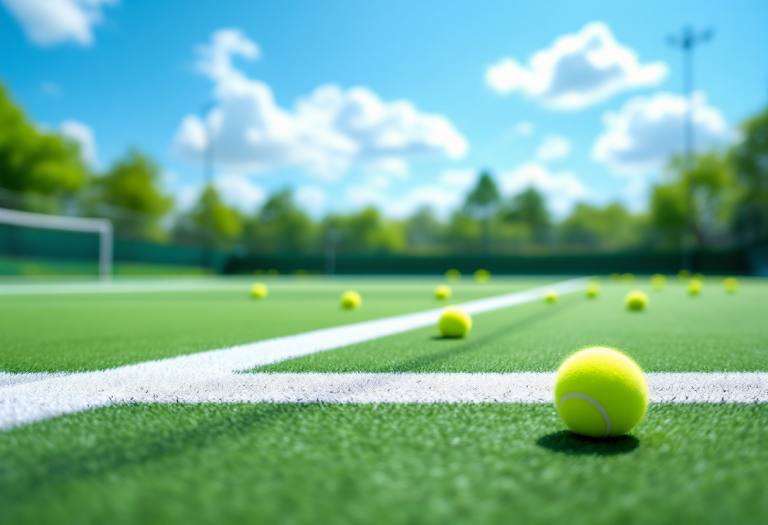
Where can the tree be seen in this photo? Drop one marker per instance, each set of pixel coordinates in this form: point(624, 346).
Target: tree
point(35, 161)
point(129, 193)
point(482, 203)
point(611, 227)
point(225, 222)
point(367, 231)
point(712, 188)
point(749, 160)
point(282, 226)
point(529, 207)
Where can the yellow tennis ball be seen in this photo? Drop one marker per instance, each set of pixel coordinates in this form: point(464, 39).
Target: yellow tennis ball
point(695, 286)
point(482, 276)
point(698, 276)
point(593, 290)
point(443, 292)
point(551, 297)
point(351, 300)
point(628, 277)
point(730, 284)
point(600, 392)
point(454, 323)
point(683, 275)
point(658, 281)
point(636, 300)
point(259, 291)
point(453, 275)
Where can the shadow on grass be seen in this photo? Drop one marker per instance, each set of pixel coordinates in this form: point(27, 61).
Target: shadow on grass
point(423, 362)
point(567, 442)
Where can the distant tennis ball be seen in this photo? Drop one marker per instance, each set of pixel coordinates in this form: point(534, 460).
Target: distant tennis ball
point(351, 300)
point(698, 276)
point(443, 292)
point(482, 276)
point(454, 323)
point(730, 284)
point(658, 281)
point(453, 275)
point(600, 392)
point(614, 276)
point(695, 286)
point(628, 278)
point(683, 275)
point(259, 291)
point(636, 300)
point(551, 297)
point(593, 290)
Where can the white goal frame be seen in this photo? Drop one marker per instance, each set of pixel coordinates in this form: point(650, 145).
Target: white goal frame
point(59, 222)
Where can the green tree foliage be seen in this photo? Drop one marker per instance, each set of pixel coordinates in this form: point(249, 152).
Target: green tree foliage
point(130, 194)
point(35, 161)
point(281, 226)
point(482, 203)
point(529, 208)
point(749, 159)
point(211, 215)
point(707, 190)
point(366, 231)
point(612, 227)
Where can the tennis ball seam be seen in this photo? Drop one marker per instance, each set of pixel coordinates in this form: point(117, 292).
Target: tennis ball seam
point(594, 403)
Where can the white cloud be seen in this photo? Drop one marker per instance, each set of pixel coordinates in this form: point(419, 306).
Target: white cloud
point(523, 128)
point(323, 134)
point(49, 22)
point(311, 199)
point(239, 191)
point(646, 131)
point(562, 189)
point(577, 71)
point(82, 134)
point(440, 200)
point(553, 147)
point(458, 178)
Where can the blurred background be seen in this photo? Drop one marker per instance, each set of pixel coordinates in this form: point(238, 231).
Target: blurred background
point(342, 137)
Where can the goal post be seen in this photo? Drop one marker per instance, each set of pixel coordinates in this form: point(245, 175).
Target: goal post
point(76, 224)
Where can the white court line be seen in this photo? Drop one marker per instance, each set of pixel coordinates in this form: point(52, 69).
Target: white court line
point(34, 400)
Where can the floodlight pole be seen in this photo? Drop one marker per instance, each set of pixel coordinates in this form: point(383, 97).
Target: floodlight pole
point(208, 236)
point(687, 42)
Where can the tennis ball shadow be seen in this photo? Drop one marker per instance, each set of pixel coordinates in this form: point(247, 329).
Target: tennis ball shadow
point(566, 442)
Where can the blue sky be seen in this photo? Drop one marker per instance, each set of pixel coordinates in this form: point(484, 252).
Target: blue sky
point(396, 103)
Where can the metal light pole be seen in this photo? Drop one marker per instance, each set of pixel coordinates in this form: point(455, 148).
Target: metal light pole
point(687, 42)
point(208, 236)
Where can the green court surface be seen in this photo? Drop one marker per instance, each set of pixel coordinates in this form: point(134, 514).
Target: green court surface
point(52, 333)
point(386, 463)
point(715, 331)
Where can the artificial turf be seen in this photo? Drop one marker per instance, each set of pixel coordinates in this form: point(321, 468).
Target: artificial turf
point(387, 464)
point(53, 333)
point(712, 332)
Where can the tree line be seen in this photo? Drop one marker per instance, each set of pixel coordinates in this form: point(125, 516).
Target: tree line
point(723, 194)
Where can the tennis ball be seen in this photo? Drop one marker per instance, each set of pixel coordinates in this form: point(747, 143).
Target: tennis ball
point(636, 300)
point(593, 290)
point(628, 278)
point(695, 286)
point(730, 284)
point(551, 297)
point(259, 291)
point(683, 275)
point(443, 292)
point(482, 276)
point(600, 392)
point(351, 300)
point(658, 281)
point(614, 276)
point(454, 323)
point(272, 271)
point(698, 276)
point(453, 275)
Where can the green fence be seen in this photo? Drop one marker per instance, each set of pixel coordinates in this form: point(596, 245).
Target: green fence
point(722, 262)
